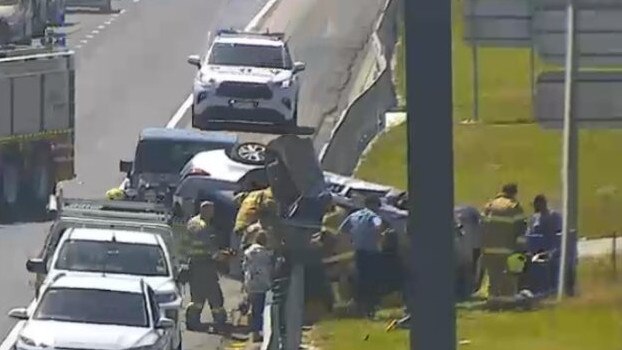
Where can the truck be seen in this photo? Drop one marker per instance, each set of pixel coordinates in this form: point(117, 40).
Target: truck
point(37, 118)
point(23, 20)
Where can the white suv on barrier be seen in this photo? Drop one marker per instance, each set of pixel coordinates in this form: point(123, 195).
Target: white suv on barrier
point(124, 254)
point(247, 78)
point(100, 312)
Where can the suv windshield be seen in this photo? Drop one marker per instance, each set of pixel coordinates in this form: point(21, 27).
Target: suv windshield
point(168, 156)
point(250, 56)
point(85, 306)
point(112, 257)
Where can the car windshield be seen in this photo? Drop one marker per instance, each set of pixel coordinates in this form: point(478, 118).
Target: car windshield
point(85, 306)
point(112, 257)
point(169, 156)
point(250, 56)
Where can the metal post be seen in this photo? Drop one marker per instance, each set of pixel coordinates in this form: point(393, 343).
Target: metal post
point(428, 39)
point(475, 66)
point(614, 255)
point(294, 308)
point(570, 153)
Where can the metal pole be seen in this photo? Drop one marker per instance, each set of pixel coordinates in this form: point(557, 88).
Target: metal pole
point(428, 41)
point(294, 308)
point(475, 64)
point(570, 153)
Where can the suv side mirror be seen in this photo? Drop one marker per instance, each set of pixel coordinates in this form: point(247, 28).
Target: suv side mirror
point(125, 166)
point(19, 313)
point(36, 265)
point(195, 60)
point(299, 67)
point(165, 323)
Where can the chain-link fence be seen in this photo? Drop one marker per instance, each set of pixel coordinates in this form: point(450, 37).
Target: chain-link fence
point(364, 117)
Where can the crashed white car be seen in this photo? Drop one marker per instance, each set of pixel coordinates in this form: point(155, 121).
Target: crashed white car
point(99, 313)
point(246, 78)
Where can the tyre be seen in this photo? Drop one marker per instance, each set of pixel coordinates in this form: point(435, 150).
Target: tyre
point(250, 153)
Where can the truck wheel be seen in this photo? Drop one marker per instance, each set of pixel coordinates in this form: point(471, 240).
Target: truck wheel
point(40, 186)
point(10, 190)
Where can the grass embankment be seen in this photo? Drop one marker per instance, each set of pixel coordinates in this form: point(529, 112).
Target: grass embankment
point(488, 154)
point(591, 321)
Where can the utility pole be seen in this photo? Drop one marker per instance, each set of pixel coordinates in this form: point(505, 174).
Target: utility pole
point(428, 39)
point(570, 148)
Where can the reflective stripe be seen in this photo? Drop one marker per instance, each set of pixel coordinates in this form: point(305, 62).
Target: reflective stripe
point(498, 251)
point(508, 219)
point(339, 257)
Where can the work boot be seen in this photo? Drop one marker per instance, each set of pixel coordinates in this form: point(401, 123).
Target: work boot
point(220, 317)
point(193, 319)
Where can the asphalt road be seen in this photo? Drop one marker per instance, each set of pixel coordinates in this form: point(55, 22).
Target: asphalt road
point(131, 73)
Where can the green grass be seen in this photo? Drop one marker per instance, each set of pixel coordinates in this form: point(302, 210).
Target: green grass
point(591, 321)
point(522, 153)
point(488, 155)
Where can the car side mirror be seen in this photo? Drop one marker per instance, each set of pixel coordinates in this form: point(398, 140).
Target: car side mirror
point(195, 60)
point(20, 313)
point(299, 67)
point(125, 166)
point(36, 265)
point(165, 323)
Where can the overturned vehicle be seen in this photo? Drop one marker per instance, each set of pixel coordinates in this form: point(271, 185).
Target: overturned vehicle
point(219, 175)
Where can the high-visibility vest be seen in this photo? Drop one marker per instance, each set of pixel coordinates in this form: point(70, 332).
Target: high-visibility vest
point(201, 241)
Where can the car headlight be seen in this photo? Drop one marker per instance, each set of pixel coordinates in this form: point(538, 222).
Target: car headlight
point(285, 83)
point(31, 342)
point(163, 298)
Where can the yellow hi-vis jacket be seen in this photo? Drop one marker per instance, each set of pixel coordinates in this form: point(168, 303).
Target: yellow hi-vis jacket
point(252, 206)
point(504, 225)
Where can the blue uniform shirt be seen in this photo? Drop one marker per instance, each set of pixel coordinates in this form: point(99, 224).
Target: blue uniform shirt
point(364, 227)
point(548, 224)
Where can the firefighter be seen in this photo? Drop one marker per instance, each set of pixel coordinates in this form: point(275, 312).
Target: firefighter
point(504, 226)
point(204, 255)
point(257, 210)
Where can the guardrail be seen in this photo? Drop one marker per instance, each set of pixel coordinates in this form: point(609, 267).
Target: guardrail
point(364, 116)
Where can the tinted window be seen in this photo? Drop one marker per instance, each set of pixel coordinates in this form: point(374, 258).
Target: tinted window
point(155, 308)
point(168, 157)
point(85, 306)
point(112, 257)
point(249, 55)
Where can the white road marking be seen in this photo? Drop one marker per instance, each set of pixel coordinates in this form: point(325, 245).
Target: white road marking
point(89, 36)
point(108, 22)
point(181, 111)
point(10, 340)
point(95, 31)
point(101, 27)
point(78, 46)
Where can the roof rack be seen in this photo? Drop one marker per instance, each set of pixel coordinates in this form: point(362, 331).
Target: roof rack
point(231, 31)
point(116, 210)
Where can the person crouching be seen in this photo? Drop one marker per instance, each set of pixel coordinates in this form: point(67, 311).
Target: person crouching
point(258, 268)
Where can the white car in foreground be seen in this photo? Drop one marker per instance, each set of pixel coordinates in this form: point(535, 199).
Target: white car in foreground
point(124, 254)
point(97, 313)
point(246, 78)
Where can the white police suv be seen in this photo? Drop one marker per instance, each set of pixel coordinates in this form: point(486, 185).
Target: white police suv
point(123, 254)
point(246, 77)
point(96, 313)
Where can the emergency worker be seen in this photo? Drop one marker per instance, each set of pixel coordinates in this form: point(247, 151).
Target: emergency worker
point(115, 194)
point(504, 226)
point(204, 254)
point(258, 207)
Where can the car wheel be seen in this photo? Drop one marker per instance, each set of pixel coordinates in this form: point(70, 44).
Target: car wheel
point(251, 153)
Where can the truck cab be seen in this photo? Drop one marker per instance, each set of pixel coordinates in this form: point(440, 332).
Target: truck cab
point(160, 155)
point(21, 20)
